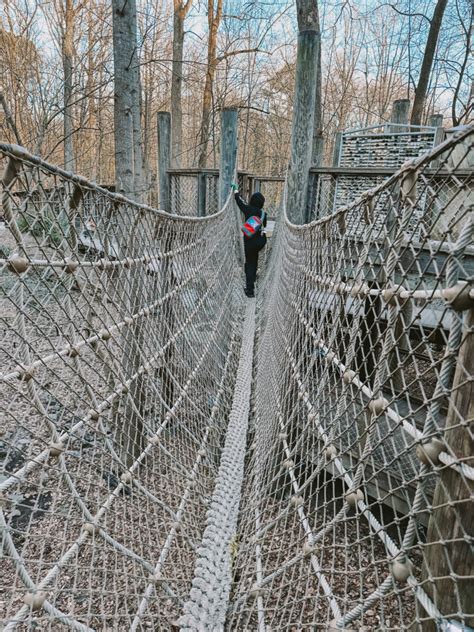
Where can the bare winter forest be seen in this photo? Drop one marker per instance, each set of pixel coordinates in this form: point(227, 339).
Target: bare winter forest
point(183, 452)
point(195, 56)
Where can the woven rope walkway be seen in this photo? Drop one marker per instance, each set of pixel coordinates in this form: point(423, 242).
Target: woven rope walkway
point(208, 600)
point(134, 493)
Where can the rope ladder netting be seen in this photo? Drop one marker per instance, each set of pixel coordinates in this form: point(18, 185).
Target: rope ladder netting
point(176, 456)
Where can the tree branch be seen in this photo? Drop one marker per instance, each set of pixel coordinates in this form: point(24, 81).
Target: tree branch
point(241, 51)
point(9, 118)
point(404, 13)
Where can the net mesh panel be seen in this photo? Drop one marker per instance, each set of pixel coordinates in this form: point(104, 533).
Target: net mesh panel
point(212, 193)
point(118, 353)
point(356, 502)
point(384, 146)
point(272, 190)
point(120, 348)
point(442, 197)
point(330, 191)
point(369, 148)
point(184, 194)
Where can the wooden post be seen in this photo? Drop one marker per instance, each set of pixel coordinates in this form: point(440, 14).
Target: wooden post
point(201, 201)
point(303, 125)
point(400, 113)
point(337, 150)
point(336, 161)
point(164, 159)
point(245, 185)
point(318, 150)
point(229, 123)
point(311, 209)
point(250, 187)
point(448, 560)
point(436, 120)
point(168, 281)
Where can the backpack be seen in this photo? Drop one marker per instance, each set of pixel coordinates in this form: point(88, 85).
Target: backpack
point(253, 226)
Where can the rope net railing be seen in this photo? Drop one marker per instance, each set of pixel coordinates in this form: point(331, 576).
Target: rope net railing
point(154, 479)
point(120, 343)
point(356, 510)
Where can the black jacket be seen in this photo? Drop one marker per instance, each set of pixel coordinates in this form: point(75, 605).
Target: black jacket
point(254, 207)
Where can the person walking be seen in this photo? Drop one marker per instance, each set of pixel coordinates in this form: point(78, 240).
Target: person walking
point(254, 235)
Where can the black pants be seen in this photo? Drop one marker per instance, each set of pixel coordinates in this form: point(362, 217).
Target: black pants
point(252, 247)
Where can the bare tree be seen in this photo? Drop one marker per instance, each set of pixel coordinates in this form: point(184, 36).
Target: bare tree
point(60, 95)
point(427, 64)
point(181, 9)
point(9, 118)
point(131, 438)
point(462, 109)
point(126, 96)
point(67, 51)
point(214, 15)
point(136, 110)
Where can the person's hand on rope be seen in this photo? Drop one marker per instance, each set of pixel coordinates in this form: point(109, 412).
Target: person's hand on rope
point(234, 187)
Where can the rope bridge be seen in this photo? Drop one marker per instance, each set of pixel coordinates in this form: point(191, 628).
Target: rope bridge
point(177, 458)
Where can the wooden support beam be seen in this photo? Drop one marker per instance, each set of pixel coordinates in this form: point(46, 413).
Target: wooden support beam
point(448, 573)
point(164, 159)
point(436, 120)
point(400, 115)
point(337, 150)
point(229, 124)
point(201, 197)
point(303, 125)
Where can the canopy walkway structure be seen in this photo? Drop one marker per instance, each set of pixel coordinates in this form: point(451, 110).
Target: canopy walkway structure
point(177, 456)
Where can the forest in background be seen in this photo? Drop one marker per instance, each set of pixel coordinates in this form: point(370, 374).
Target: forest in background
point(57, 75)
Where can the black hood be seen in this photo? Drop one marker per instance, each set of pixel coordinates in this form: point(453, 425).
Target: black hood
point(257, 200)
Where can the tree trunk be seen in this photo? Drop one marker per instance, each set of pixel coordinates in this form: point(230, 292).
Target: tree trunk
point(90, 134)
point(124, 46)
point(214, 19)
point(9, 118)
point(128, 427)
point(136, 110)
point(67, 59)
point(180, 12)
point(102, 170)
point(318, 141)
point(307, 15)
point(425, 72)
point(146, 148)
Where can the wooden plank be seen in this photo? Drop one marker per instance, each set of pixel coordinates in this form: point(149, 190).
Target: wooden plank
point(229, 122)
point(382, 171)
point(201, 197)
point(400, 113)
point(303, 123)
point(448, 558)
point(336, 154)
point(164, 158)
point(427, 316)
